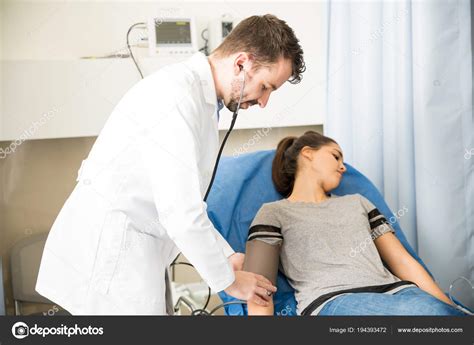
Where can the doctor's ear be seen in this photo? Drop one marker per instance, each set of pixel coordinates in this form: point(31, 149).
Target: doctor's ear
point(240, 69)
point(243, 62)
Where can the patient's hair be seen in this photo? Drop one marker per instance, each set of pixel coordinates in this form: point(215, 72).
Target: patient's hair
point(266, 38)
point(285, 165)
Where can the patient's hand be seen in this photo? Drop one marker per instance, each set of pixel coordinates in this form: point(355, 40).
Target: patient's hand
point(237, 261)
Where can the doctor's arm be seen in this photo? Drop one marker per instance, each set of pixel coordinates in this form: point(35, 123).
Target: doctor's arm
point(405, 267)
point(235, 259)
point(171, 156)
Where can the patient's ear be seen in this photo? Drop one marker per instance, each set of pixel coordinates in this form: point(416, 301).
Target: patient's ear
point(307, 153)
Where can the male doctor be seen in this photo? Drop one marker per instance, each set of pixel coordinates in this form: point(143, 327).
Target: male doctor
point(139, 202)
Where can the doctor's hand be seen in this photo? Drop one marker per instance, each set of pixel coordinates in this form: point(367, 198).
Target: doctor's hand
point(252, 287)
point(237, 261)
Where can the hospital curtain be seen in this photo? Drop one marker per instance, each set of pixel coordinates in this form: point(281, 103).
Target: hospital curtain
point(399, 102)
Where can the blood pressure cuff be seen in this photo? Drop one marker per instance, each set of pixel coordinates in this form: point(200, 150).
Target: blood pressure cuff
point(262, 253)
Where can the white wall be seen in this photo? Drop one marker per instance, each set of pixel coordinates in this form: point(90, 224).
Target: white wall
point(71, 29)
point(43, 41)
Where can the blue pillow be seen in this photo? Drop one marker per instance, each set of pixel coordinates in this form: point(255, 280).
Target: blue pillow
point(243, 184)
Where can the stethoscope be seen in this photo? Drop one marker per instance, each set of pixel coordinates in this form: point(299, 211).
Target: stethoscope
point(234, 118)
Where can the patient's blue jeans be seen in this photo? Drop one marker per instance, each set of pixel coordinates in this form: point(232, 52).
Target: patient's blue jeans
point(408, 301)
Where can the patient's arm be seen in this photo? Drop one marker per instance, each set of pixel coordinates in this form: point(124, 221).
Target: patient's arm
point(259, 310)
point(262, 258)
point(394, 254)
point(405, 267)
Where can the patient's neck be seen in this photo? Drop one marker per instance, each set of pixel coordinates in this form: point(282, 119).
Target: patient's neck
point(307, 190)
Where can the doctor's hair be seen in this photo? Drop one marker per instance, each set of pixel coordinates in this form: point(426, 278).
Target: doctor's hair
point(285, 163)
point(267, 39)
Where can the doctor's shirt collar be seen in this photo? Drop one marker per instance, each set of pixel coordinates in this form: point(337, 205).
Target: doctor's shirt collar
point(199, 64)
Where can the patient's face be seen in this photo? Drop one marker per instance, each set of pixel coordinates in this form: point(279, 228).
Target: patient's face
point(327, 165)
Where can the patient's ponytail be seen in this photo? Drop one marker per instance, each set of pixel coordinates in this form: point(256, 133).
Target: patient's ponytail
point(285, 163)
point(283, 172)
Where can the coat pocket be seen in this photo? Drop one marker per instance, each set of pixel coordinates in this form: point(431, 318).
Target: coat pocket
point(139, 276)
point(109, 249)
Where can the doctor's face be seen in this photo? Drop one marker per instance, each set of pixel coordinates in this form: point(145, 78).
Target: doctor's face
point(259, 84)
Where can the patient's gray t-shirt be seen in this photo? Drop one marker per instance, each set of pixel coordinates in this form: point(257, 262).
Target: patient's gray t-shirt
point(326, 247)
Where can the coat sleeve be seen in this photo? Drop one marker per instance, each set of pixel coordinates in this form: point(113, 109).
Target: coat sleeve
point(226, 248)
point(170, 152)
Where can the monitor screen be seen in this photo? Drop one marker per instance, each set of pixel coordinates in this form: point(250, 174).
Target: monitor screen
point(173, 32)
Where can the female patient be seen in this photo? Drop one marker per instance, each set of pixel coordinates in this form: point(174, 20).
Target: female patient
point(333, 248)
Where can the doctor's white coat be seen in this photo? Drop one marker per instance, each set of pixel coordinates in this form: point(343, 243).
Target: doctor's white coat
point(138, 201)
